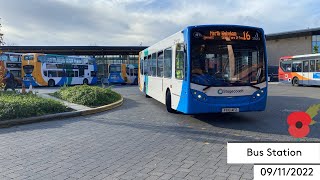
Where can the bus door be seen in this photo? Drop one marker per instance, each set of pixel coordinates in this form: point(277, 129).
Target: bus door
point(305, 72)
point(179, 60)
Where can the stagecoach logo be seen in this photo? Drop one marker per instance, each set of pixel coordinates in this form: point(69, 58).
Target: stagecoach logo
point(197, 35)
point(225, 91)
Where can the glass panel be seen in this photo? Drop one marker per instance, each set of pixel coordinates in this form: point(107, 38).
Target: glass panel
point(15, 58)
point(306, 66)
point(145, 66)
point(154, 64)
point(312, 66)
point(226, 65)
point(52, 73)
point(179, 62)
point(160, 64)
point(318, 66)
point(28, 57)
point(296, 66)
point(4, 57)
point(286, 66)
point(167, 63)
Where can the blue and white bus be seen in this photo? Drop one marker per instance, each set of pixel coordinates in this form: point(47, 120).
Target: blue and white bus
point(207, 69)
point(57, 70)
point(123, 74)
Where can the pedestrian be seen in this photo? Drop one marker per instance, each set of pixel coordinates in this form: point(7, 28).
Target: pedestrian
point(9, 80)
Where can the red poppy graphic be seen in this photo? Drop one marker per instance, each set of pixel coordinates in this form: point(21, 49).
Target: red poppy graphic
point(299, 124)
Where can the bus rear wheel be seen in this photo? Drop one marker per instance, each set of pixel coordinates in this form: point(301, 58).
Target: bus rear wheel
point(85, 81)
point(168, 103)
point(295, 81)
point(51, 83)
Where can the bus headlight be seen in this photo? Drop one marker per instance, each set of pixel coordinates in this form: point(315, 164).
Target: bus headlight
point(258, 93)
point(199, 95)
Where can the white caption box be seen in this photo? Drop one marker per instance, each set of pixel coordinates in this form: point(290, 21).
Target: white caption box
point(286, 172)
point(263, 153)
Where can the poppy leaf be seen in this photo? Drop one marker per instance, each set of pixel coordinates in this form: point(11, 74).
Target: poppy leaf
point(313, 110)
point(313, 122)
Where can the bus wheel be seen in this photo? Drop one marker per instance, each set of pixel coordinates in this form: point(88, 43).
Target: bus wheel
point(295, 81)
point(85, 81)
point(168, 103)
point(51, 83)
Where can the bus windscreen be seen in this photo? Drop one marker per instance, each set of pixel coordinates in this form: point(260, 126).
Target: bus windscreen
point(227, 57)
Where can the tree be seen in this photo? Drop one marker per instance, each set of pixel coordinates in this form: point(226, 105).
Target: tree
point(315, 49)
point(1, 36)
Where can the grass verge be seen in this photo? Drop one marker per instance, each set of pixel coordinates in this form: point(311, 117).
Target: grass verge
point(91, 96)
point(14, 105)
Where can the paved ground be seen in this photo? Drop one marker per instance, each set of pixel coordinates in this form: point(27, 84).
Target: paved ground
point(140, 140)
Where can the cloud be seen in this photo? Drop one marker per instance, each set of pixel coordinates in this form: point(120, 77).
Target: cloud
point(130, 22)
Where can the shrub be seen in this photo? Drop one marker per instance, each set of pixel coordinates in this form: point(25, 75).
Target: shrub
point(14, 105)
point(88, 95)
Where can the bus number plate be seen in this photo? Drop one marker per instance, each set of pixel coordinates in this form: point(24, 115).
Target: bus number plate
point(230, 110)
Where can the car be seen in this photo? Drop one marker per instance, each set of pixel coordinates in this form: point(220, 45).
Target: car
point(273, 73)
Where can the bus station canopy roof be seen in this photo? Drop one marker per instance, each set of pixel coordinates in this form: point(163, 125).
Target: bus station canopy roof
point(292, 34)
point(76, 50)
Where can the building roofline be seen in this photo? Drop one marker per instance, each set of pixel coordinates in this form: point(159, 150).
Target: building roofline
point(292, 34)
point(76, 50)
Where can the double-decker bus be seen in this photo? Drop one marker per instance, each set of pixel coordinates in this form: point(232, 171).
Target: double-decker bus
point(51, 70)
point(300, 70)
point(12, 62)
point(207, 69)
point(123, 74)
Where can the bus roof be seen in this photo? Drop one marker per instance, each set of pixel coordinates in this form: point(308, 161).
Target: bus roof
point(300, 56)
point(197, 26)
point(11, 53)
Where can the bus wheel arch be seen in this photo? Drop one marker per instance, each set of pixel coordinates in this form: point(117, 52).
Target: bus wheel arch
point(51, 83)
point(295, 81)
point(169, 102)
point(85, 81)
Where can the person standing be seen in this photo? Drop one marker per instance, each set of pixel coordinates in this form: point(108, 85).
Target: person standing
point(9, 80)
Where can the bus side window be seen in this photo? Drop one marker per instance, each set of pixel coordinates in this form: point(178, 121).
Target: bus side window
point(179, 61)
point(76, 73)
point(154, 64)
point(45, 73)
point(318, 66)
point(312, 66)
point(168, 63)
point(141, 66)
point(160, 64)
point(145, 65)
point(296, 67)
point(149, 66)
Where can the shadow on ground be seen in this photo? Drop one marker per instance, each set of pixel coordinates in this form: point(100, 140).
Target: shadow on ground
point(272, 120)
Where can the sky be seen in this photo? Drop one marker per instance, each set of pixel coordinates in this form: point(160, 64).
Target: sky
point(142, 22)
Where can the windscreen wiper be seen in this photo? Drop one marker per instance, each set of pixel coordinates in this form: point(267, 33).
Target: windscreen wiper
point(207, 87)
point(256, 87)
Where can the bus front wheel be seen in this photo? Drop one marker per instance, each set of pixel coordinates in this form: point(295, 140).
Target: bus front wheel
point(85, 81)
point(168, 103)
point(295, 82)
point(51, 83)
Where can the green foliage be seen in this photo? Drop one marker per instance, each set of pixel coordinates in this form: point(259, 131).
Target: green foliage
point(315, 49)
point(14, 105)
point(88, 95)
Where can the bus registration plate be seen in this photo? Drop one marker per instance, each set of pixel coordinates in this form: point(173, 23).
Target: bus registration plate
point(230, 110)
